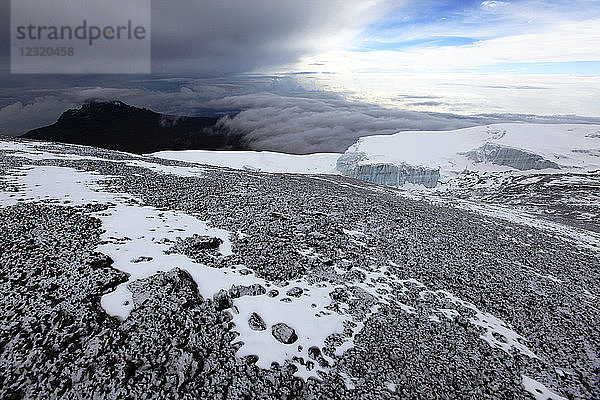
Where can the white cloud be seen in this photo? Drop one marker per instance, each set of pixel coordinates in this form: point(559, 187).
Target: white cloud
point(279, 115)
point(308, 125)
point(565, 42)
point(493, 4)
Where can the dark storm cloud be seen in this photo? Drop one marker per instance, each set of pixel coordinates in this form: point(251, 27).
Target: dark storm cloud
point(4, 38)
point(231, 36)
point(210, 39)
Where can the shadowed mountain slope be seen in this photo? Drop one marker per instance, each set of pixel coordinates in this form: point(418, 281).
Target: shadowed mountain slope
point(118, 126)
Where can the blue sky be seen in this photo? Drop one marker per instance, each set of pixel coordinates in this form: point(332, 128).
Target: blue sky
point(421, 26)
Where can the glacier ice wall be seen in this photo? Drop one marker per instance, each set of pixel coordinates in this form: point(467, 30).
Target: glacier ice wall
point(429, 157)
point(349, 164)
point(510, 157)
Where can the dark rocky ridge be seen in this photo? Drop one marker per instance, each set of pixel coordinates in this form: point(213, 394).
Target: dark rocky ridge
point(118, 126)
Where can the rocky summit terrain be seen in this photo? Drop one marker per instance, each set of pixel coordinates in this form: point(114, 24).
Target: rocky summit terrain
point(118, 126)
point(125, 276)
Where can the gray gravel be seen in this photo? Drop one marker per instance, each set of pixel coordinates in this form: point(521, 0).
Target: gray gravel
point(57, 342)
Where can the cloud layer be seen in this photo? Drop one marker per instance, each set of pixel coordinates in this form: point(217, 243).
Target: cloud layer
point(273, 113)
point(320, 124)
point(215, 38)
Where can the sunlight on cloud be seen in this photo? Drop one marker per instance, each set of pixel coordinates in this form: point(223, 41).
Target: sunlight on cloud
point(566, 42)
point(497, 45)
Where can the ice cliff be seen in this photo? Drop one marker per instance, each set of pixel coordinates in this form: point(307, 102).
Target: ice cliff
point(349, 164)
point(508, 156)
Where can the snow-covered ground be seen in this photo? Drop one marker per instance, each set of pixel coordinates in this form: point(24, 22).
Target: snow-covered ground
point(138, 239)
point(379, 280)
point(426, 157)
point(40, 151)
point(566, 198)
point(264, 161)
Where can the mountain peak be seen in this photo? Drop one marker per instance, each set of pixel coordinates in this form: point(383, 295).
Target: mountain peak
point(95, 108)
point(118, 126)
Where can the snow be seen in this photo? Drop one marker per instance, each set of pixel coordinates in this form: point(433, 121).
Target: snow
point(258, 161)
point(55, 185)
point(581, 237)
point(32, 151)
point(493, 326)
point(354, 233)
point(307, 315)
point(133, 231)
point(490, 148)
point(137, 237)
point(539, 391)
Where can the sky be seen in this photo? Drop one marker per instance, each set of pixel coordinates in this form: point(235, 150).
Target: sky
point(336, 70)
point(480, 36)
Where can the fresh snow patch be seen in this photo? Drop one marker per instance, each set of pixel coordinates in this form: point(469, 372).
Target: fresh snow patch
point(354, 233)
point(539, 391)
point(131, 230)
point(307, 315)
point(134, 232)
point(31, 151)
point(448, 313)
point(55, 185)
point(407, 309)
point(494, 327)
point(258, 161)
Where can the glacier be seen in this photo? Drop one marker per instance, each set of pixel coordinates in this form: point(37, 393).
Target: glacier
point(511, 157)
point(386, 173)
point(429, 157)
